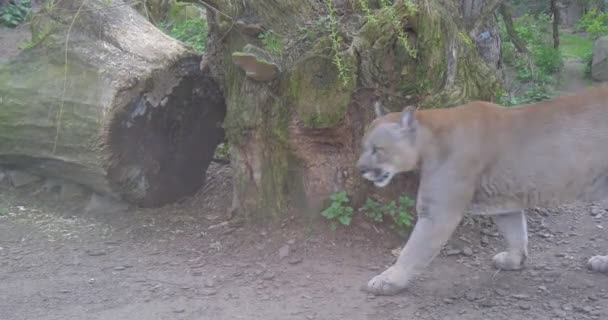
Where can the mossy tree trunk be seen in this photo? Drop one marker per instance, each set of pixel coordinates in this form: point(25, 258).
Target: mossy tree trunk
point(125, 111)
point(295, 118)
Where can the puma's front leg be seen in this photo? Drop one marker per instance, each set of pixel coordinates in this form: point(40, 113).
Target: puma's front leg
point(425, 242)
point(437, 220)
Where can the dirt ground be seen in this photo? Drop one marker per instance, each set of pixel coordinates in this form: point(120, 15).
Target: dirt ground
point(181, 262)
point(58, 261)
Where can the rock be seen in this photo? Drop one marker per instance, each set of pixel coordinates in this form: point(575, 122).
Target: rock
point(472, 296)
point(452, 252)
point(268, 275)
point(597, 211)
point(284, 252)
point(120, 268)
point(294, 260)
point(21, 178)
point(501, 292)
point(95, 253)
point(209, 283)
point(599, 63)
point(181, 310)
point(524, 306)
point(208, 292)
point(485, 240)
point(467, 251)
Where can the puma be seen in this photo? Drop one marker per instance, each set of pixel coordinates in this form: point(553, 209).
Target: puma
point(489, 160)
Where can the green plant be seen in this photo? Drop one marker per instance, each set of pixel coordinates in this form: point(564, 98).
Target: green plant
point(547, 59)
point(338, 210)
point(191, 31)
point(15, 13)
point(373, 210)
point(534, 94)
point(272, 42)
point(222, 152)
point(588, 60)
point(536, 68)
point(575, 46)
point(344, 71)
point(401, 35)
point(398, 212)
point(593, 22)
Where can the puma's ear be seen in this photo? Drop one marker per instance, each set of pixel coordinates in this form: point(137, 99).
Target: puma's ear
point(379, 109)
point(408, 118)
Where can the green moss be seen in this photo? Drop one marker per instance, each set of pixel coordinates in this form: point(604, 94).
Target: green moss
point(34, 81)
point(181, 11)
point(318, 94)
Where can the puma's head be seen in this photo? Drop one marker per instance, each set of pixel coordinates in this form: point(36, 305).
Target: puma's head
point(389, 146)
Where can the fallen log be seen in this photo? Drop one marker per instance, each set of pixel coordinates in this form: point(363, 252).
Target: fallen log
point(124, 111)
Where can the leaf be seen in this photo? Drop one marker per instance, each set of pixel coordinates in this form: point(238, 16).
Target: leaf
point(345, 220)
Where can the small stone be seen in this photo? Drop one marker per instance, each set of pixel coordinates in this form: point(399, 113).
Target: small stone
point(542, 288)
point(179, 310)
point(197, 273)
point(485, 240)
point(489, 232)
point(521, 296)
point(208, 292)
point(119, 268)
point(268, 276)
point(94, 253)
point(501, 292)
point(452, 252)
point(467, 251)
point(448, 300)
point(295, 260)
point(65, 291)
point(567, 307)
point(597, 211)
point(524, 306)
point(209, 283)
point(284, 252)
point(471, 296)
point(487, 304)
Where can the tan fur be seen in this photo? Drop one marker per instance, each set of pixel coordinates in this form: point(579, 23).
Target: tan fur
point(491, 160)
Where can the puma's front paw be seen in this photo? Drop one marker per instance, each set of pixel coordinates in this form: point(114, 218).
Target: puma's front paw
point(598, 264)
point(509, 261)
point(389, 282)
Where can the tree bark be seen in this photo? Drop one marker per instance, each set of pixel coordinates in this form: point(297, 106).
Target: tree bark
point(505, 11)
point(487, 12)
point(125, 111)
point(555, 12)
point(295, 131)
point(479, 16)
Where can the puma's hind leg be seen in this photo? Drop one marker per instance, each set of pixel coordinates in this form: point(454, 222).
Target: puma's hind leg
point(598, 264)
point(513, 227)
